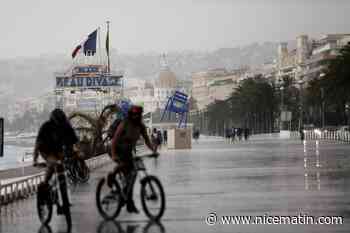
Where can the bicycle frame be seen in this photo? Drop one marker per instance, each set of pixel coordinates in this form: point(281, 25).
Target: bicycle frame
point(129, 181)
point(56, 184)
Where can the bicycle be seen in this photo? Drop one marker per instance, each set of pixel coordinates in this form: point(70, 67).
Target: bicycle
point(116, 194)
point(116, 227)
point(77, 170)
point(55, 194)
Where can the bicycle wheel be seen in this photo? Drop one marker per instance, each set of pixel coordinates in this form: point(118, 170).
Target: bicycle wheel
point(152, 197)
point(83, 172)
point(45, 229)
point(108, 226)
point(153, 227)
point(108, 199)
point(71, 173)
point(44, 208)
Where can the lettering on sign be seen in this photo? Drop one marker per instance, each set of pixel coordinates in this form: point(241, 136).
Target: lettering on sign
point(102, 81)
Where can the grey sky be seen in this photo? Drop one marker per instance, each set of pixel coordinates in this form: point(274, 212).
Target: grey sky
point(31, 28)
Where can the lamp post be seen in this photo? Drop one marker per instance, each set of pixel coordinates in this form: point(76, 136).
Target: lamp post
point(323, 106)
point(282, 107)
point(301, 82)
point(347, 111)
point(322, 103)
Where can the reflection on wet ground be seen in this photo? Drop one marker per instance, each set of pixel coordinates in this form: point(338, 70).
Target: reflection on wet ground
point(113, 226)
point(263, 176)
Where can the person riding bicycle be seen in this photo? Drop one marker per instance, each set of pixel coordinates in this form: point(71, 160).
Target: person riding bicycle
point(55, 137)
point(124, 142)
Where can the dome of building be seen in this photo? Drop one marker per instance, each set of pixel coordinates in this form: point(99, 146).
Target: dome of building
point(166, 79)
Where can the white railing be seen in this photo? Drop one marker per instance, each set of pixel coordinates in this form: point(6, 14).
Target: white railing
point(20, 188)
point(323, 135)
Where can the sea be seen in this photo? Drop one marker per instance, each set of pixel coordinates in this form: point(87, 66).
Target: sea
point(14, 152)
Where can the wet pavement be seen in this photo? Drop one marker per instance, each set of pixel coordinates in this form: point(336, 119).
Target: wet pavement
point(264, 176)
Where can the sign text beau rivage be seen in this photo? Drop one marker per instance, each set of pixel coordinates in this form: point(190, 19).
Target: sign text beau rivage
point(101, 81)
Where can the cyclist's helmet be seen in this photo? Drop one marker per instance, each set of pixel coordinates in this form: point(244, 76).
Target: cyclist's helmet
point(135, 110)
point(135, 113)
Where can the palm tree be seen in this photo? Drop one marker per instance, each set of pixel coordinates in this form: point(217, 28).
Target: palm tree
point(254, 104)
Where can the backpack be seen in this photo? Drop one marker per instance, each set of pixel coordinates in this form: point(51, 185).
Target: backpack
point(113, 127)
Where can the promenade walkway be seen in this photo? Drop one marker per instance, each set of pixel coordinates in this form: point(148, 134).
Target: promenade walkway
point(262, 177)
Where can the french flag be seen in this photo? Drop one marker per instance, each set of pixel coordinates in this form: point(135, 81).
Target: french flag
point(76, 50)
point(88, 44)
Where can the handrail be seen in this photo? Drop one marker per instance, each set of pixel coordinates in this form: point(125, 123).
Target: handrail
point(323, 135)
point(23, 187)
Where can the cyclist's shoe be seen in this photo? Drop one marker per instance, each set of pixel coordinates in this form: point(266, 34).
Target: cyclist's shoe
point(131, 208)
point(110, 179)
point(60, 210)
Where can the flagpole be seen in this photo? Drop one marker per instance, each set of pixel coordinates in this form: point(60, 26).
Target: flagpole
point(107, 47)
point(99, 45)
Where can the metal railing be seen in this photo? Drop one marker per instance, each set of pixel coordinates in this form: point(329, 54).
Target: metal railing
point(23, 187)
point(323, 135)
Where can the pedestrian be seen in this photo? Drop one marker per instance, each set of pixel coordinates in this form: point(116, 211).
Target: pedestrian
point(302, 134)
point(233, 134)
point(165, 136)
point(154, 136)
point(159, 138)
point(227, 134)
point(195, 134)
point(246, 134)
point(239, 134)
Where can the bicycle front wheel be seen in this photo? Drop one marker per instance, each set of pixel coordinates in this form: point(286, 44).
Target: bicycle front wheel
point(71, 174)
point(108, 199)
point(83, 172)
point(152, 197)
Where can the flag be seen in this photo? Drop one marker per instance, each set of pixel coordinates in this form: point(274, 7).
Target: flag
point(76, 50)
point(107, 42)
point(90, 44)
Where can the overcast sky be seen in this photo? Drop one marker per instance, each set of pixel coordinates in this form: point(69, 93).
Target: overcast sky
point(31, 28)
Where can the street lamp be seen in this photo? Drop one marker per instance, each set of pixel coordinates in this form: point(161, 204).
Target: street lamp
point(322, 103)
point(347, 111)
point(323, 106)
point(282, 107)
point(282, 98)
point(301, 82)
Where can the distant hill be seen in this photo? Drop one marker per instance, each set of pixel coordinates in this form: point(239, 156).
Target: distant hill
point(186, 62)
point(26, 77)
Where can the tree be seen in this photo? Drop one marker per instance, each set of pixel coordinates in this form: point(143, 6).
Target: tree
point(254, 104)
point(335, 85)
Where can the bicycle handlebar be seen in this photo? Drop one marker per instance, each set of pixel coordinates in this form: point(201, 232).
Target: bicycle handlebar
point(40, 165)
point(152, 155)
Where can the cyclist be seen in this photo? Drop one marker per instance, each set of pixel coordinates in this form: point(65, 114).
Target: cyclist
point(123, 143)
point(54, 136)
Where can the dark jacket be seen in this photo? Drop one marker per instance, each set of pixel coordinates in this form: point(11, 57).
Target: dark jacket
point(53, 138)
